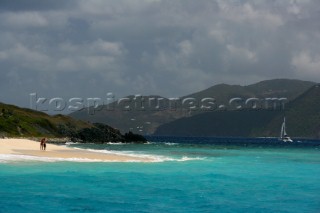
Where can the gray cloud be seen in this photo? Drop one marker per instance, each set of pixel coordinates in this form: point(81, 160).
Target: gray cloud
point(172, 48)
point(35, 5)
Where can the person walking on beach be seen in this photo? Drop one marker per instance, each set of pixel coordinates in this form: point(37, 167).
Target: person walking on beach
point(43, 144)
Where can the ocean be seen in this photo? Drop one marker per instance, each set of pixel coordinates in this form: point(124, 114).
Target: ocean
point(187, 175)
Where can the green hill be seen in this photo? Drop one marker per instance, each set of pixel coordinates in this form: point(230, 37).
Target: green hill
point(16, 121)
point(219, 123)
point(21, 122)
point(146, 121)
point(302, 115)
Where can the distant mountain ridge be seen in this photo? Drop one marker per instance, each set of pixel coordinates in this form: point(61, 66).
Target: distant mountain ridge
point(265, 89)
point(147, 120)
point(302, 116)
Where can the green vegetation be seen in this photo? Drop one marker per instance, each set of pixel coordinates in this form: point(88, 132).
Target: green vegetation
point(20, 122)
point(15, 121)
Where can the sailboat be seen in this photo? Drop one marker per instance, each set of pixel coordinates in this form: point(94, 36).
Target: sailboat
point(283, 135)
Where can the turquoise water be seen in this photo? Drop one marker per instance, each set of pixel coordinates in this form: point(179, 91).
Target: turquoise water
point(185, 178)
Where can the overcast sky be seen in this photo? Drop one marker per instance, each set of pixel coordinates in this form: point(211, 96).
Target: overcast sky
point(86, 48)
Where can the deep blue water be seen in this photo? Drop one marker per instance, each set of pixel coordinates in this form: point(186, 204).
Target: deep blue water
point(191, 175)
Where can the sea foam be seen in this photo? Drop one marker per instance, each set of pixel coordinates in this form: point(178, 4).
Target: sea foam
point(5, 158)
point(152, 157)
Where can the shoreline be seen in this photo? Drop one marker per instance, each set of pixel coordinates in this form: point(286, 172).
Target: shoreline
point(27, 147)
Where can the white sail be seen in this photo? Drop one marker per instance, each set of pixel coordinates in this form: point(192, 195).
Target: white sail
point(284, 127)
point(283, 134)
point(282, 130)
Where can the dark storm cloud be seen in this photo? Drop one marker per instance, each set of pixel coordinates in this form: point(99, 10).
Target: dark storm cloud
point(166, 47)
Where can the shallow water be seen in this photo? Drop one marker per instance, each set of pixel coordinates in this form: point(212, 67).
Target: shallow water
point(187, 177)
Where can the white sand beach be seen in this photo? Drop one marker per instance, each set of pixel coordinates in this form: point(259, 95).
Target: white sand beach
point(25, 147)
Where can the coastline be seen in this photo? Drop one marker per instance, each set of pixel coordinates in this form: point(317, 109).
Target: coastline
point(26, 147)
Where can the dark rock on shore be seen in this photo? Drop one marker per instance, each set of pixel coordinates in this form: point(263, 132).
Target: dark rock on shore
point(101, 133)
